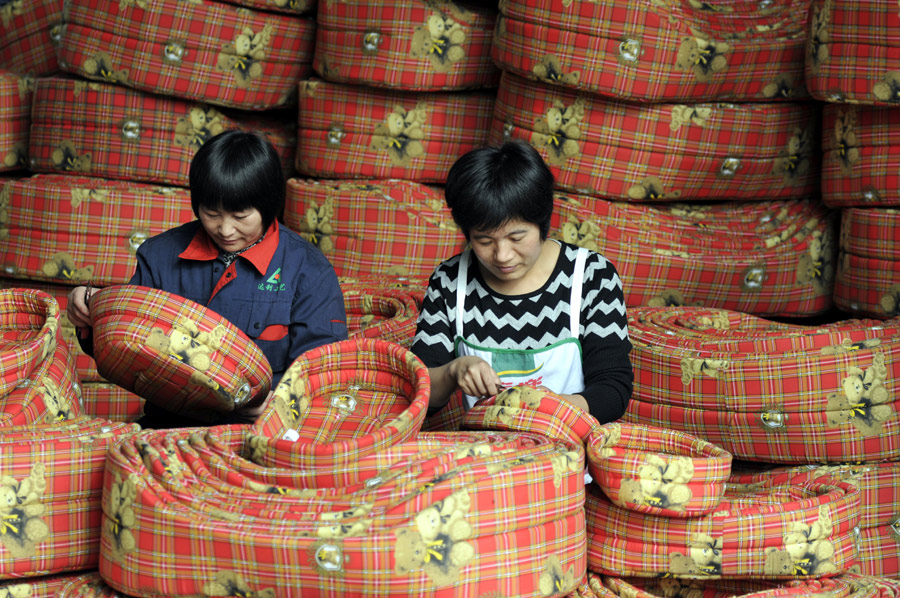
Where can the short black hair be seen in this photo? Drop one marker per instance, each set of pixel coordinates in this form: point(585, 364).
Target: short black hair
point(235, 171)
point(490, 186)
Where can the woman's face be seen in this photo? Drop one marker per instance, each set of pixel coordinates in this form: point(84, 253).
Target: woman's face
point(508, 253)
point(232, 231)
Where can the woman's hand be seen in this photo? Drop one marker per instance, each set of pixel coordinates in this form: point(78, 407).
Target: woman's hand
point(475, 376)
point(78, 311)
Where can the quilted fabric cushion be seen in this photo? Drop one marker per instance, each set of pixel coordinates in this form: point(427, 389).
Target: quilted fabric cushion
point(51, 486)
point(762, 258)
point(413, 46)
point(374, 227)
point(778, 532)
point(176, 353)
point(663, 152)
point(657, 50)
point(768, 391)
point(858, 156)
point(29, 34)
point(107, 130)
point(73, 229)
point(852, 51)
point(463, 514)
point(210, 51)
point(351, 131)
point(15, 119)
point(658, 471)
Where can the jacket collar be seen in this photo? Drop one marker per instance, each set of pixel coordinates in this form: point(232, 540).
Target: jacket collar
point(202, 248)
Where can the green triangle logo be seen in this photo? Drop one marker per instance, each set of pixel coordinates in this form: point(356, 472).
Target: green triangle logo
point(275, 278)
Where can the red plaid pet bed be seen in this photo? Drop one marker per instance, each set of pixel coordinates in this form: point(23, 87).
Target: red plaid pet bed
point(73, 229)
point(380, 312)
point(51, 486)
point(387, 227)
point(663, 152)
point(455, 514)
point(763, 258)
point(413, 46)
point(879, 524)
point(779, 532)
point(348, 131)
point(342, 401)
point(106, 130)
point(853, 51)
point(871, 232)
point(859, 153)
point(658, 471)
point(839, 587)
point(110, 401)
point(15, 119)
point(211, 52)
point(650, 50)
point(867, 286)
point(176, 353)
point(29, 34)
point(767, 391)
point(49, 586)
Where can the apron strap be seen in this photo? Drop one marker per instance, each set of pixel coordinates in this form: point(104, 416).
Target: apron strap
point(575, 299)
point(461, 290)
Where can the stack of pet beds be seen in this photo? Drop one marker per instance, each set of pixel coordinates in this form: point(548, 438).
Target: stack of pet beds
point(15, 118)
point(51, 457)
point(29, 34)
point(657, 51)
point(176, 353)
point(773, 258)
point(349, 505)
point(374, 227)
point(768, 391)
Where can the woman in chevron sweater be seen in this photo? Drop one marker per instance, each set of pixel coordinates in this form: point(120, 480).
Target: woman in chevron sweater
point(517, 307)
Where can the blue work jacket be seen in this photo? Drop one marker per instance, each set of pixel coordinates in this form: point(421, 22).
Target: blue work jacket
point(282, 292)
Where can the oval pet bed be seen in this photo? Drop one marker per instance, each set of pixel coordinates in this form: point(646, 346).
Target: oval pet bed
point(782, 532)
point(176, 353)
point(211, 51)
point(15, 119)
point(413, 46)
point(656, 470)
point(438, 515)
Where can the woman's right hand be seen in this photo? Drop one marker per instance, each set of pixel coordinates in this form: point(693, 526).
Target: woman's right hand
point(475, 376)
point(77, 310)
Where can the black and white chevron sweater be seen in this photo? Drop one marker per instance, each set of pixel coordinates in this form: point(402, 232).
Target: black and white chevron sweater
point(536, 320)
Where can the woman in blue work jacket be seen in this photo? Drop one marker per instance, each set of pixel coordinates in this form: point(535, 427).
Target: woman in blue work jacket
point(239, 261)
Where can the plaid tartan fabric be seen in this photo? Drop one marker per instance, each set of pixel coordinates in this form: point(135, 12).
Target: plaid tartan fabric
point(51, 482)
point(342, 401)
point(650, 50)
point(211, 52)
point(858, 154)
point(29, 329)
point(381, 312)
point(663, 152)
point(175, 353)
point(29, 32)
point(413, 46)
point(867, 286)
point(348, 131)
point(834, 587)
point(85, 369)
point(528, 409)
point(15, 119)
point(106, 130)
point(882, 587)
point(285, 6)
point(73, 229)
point(592, 587)
point(879, 550)
point(112, 402)
point(762, 258)
point(388, 227)
point(658, 471)
point(49, 586)
point(871, 232)
point(470, 514)
point(768, 391)
point(84, 585)
point(779, 532)
point(852, 51)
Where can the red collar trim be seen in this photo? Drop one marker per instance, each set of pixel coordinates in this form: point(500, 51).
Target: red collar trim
point(202, 248)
